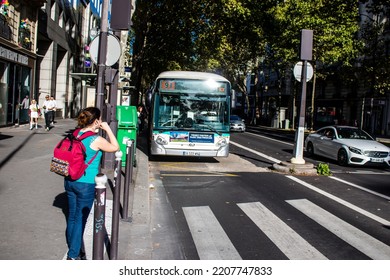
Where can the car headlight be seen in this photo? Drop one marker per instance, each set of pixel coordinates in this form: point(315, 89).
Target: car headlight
point(355, 150)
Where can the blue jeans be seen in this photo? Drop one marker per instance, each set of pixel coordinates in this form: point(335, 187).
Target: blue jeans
point(80, 201)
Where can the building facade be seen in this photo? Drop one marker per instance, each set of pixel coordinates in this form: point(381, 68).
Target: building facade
point(64, 31)
point(18, 34)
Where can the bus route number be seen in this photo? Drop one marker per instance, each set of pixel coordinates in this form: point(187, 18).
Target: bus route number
point(167, 85)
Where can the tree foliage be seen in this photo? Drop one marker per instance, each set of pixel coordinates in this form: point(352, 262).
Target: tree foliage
point(375, 59)
point(230, 36)
point(218, 36)
point(334, 27)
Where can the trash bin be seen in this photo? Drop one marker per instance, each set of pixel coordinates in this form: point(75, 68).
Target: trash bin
point(127, 130)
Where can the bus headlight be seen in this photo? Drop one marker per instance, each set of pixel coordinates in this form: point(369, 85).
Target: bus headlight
point(161, 141)
point(222, 142)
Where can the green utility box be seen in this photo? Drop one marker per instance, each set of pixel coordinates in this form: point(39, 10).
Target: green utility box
point(127, 130)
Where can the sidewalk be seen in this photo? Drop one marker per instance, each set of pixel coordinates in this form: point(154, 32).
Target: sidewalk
point(33, 201)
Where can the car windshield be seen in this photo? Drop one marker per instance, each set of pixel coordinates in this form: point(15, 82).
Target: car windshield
point(352, 133)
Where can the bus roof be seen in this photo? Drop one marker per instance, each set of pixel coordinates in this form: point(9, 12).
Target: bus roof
point(193, 75)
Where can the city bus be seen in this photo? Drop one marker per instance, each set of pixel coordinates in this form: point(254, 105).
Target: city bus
point(189, 115)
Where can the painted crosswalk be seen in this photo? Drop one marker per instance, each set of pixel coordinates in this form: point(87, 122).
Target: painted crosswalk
point(350, 234)
point(212, 242)
point(210, 239)
point(285, 238)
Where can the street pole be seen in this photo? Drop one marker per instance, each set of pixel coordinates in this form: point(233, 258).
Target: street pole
point(99, 227)
point(102, 57)
point(306, 54)
point(300, 133)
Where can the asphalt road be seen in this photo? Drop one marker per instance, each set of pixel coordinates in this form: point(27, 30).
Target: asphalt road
point(239, 208)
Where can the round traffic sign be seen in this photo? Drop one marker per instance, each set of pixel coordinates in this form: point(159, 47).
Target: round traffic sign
point(113, 50)
point(298, 71)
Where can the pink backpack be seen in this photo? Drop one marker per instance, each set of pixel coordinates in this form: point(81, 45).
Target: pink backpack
point(69, 156)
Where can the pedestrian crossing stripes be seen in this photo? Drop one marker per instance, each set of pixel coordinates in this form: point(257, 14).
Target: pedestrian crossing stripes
point(350, 234)
point(210, 239)
point(212, 242)
point(285, 238)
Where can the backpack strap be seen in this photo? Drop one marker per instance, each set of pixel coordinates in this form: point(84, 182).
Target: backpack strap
point(82, 137)
point(94, 156)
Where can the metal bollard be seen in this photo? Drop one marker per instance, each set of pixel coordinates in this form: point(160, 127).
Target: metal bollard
point(116, 206)
point(128, 177)
point(99, 230)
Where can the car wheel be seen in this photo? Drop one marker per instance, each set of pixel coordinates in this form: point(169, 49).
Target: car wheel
point(342, 157)
point(310, 149)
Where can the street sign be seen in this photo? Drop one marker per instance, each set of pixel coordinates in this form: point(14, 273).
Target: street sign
point(298, 71)
point(113, 50)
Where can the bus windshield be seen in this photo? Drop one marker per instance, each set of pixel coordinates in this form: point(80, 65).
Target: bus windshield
point(201, 105)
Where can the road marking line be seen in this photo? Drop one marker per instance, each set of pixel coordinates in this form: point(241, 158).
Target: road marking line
point(269, 138)
point(211, 241)
point(284, 237)
point(365, 243)
point(341, 201)
point(256, 152)
point(361, 188)
point(217, 174)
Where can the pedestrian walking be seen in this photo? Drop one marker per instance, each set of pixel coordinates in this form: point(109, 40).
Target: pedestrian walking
point(25, 103)
point(81, 192)
point(34, 114)
point(24, 107)
point(141, 118)
point(48, 107)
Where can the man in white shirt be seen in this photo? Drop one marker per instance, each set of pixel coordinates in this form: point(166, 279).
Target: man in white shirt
point(24, 106)
point(25, 103)
point(48, 107)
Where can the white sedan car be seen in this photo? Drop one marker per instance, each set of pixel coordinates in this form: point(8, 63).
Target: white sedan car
point(237, 124)
point(348, 145)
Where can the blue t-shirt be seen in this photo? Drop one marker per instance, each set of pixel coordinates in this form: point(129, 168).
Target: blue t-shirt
point(93, 168)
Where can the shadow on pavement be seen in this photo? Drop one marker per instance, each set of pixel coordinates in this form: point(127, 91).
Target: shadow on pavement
point(61, 201)
point(3, 136)
point(16, 150)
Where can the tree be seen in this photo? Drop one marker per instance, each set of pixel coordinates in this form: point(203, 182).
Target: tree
point(221, 36)
point(374, 61)
point(334, 24)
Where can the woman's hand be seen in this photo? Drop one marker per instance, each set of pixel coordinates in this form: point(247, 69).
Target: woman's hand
point(104, 126)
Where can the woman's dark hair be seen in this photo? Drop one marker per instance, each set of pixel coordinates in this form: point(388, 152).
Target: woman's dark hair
point(87, 116)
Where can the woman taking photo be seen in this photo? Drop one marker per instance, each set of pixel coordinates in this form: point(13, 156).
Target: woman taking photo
point(81, 192)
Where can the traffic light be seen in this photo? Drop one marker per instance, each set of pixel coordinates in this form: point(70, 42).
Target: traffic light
point(87, 57)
